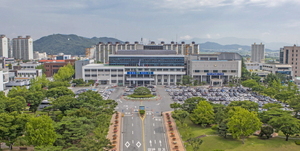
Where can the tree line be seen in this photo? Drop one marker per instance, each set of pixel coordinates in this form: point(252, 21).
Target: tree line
point(70, 123)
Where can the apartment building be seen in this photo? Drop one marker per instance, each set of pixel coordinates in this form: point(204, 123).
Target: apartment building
point(258, 53)
point(103, 50)
point(4, 46)
point(22, 48)
point(291, 55)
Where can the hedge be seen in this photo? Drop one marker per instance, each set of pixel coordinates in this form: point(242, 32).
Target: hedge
point(141, 96)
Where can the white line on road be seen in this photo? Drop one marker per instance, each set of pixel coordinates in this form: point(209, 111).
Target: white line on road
point(131, 124)
point(154, 132)
point(153, 124)
point(132, 117)
point(160, 142)
point(154, 141)
point(132, 141)
point(132, 132)
point(150, 143)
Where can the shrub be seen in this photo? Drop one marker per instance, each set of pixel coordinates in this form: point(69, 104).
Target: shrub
point(297, 142)
point(142, 112)
point(215, 127)
point(142, 91)
point(140, 96)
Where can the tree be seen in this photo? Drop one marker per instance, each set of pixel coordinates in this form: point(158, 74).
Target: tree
point(186, 79)
point(250, 83)
point(72, 129)
point(175, 106)
point(295, 104)
point(64, 103)
point(195, 143)
point(12, 125)
point(34, 99)
point(40, 131)
point(141, 91)
point(17, 103)
point(17, 91)
point(269, 106)
point(41, 67)
point(266, 130)
point(180, 115)
point(64, 73)
point(38, 83)
point(248, 105)
point(220, 115)
point(96, 141)
point(203, 114)
point(55, 84)
point(266, 116)
point(287, 124)
point(59, 91)
point(243, 123)
point(190, 104)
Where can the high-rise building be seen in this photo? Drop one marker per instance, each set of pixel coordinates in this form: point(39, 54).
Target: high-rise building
point(4, 46)
point(291, 55)
point(103, 50)
point(23, 48)
point(258, 53)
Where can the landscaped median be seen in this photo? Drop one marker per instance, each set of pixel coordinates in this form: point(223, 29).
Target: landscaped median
point(114, 133)
point(174, 139)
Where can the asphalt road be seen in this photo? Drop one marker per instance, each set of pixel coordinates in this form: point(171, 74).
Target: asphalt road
point(147, 134)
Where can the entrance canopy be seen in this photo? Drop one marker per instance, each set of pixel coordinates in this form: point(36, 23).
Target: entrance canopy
point(140, 79)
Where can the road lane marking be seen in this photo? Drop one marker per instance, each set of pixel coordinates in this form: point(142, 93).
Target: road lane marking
point(154, 132)
point(154, 141)
point(132, 132)
point(150, 143)
point(131, 124)
point(138, 144)
point(153, 124)
point(160, 142)
point(132, 141)
point(127, 144)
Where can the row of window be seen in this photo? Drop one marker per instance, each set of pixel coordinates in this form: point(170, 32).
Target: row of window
point(214, 71)
point(131, 69)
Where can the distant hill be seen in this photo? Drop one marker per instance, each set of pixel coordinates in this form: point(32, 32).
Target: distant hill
point(67, 44)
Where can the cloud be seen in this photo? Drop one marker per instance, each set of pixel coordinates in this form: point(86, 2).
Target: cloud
point(192, 5)
point(186, 37)
point(208, 36)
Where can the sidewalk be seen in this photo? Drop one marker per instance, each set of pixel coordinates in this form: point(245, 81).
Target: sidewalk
point(114, 132)
point(174, 139)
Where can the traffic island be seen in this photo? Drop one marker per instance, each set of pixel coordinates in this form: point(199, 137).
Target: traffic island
point(114, 132)
point(174, 140)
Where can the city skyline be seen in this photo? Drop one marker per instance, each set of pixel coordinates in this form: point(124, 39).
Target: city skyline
point(156, 20)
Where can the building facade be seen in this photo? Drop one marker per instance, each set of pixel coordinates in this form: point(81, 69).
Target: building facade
point(258, 53)
point(210, 68)
point(103, 50)
point(22, 48)
point(163, 67)
point(291, 55)
point(4, 46)
point(52, 67)
point(278, 68)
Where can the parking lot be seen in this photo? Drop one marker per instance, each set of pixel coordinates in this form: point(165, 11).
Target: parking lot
point(222, 95)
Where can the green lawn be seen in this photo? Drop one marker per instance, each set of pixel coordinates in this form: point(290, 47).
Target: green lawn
point(253, 143)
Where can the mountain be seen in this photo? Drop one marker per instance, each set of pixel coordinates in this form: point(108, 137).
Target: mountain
point(68, 44)
point(242, 41)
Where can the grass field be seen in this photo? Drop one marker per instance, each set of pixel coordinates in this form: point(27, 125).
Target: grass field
point(253, 143)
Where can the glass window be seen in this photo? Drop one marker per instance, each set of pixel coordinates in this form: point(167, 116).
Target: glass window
point(215, 71)
point(178, 69)
point(159, 69)
point(206, 71)
point(233, 71)
point(158, 80)
point(87, 70)
point(100, 70)
point(165, 80)
point(165, 69)
point(197, 71)
point(113, 70)
point(107, 70)
point(224, 71)
point(113, 75)
point(113, 81)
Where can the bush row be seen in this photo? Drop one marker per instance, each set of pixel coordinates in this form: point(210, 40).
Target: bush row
point(141, 96)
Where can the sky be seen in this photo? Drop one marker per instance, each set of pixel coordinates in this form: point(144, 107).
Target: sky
point(155, 20)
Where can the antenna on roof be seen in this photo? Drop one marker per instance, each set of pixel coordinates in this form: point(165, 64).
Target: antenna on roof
point(141, 40)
